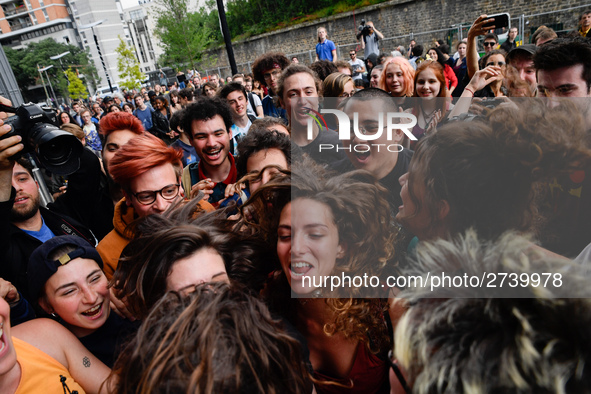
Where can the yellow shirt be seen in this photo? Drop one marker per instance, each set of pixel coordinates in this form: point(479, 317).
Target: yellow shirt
point(41, 373)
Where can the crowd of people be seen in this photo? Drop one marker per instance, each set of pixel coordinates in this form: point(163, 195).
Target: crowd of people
point(187, 251)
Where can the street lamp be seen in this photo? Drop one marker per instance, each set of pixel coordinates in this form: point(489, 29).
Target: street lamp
point(59, 57)
point(91, 26)
point(50, 85)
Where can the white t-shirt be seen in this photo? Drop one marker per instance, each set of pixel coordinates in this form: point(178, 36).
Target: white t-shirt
point(257, 103)
point(355, 64)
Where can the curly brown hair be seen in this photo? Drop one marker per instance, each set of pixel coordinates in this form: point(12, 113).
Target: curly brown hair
point(361, 215)
point(266, 62)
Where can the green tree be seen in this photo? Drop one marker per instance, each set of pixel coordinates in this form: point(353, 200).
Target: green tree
point(24, 64)
point(128, 67)
point(183, 35)
point(76, 88)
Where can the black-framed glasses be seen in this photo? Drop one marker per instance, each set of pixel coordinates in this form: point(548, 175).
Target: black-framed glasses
point(168, 192)
point(489, 44)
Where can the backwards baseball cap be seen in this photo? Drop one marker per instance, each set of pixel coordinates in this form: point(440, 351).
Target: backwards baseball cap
point(526, 49)
point(41, 268)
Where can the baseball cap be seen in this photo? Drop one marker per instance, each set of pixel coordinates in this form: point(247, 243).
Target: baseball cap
point(530, 49)
point(41, 268)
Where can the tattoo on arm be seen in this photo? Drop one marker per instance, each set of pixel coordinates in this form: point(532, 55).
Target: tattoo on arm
point(86, 362)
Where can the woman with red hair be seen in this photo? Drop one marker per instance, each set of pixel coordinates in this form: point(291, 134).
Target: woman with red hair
point(149, 173)
point(397, 79)
point(430, 86)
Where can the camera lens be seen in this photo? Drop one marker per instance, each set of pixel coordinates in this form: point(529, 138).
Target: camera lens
point(58, 150)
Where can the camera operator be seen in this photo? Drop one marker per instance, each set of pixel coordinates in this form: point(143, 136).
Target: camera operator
point(369, 38)
point(24, 225)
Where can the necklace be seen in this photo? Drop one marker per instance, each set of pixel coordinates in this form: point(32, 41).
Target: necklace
point(426, 117)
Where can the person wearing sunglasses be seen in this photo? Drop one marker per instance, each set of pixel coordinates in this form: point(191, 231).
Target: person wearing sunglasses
point(149, 173)
point(482, 26)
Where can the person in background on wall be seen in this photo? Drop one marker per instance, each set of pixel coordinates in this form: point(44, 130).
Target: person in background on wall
point(325, 49)
point(369, 40)
point(357, 65)
point(511, 41)
point(267, 70)
point(585, 23)
point(295, 59)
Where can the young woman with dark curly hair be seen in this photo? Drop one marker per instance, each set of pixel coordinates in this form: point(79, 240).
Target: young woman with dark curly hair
point(330, 227)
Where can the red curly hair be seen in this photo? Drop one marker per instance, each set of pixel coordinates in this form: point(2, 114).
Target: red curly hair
point(141, 154)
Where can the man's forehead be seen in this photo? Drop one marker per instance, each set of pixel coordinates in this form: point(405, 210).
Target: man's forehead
point(19, 170)
point(206, 126)
point(572, 74)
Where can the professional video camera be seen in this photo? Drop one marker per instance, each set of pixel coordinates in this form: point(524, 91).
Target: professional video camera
point(363, 28)
point(57, 150)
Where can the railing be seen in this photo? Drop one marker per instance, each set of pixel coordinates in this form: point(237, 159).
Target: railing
point(13, 9)
point(562, 21)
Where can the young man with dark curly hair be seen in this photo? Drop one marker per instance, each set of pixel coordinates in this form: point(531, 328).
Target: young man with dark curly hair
point(267, 70)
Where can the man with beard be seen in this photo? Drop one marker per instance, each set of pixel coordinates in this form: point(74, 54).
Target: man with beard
point(24, 225)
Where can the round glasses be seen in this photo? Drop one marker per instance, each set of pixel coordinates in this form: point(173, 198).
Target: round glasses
point(147, 197)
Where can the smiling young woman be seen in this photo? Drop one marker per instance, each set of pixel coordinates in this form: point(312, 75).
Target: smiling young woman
point(69, 284)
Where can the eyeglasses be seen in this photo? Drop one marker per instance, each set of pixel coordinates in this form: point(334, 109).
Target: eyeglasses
point(489, 44)
point(352, 54)
point(147, 197)
point(346, 95)
point(273, 74)
point(500, 64)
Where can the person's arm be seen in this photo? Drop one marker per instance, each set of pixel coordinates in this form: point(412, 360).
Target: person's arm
point(452, 78)
point(380, 35)
point(8, 147)
point(334, 53)
point(259, 110)
point(359, 67)
point(59, 343)
point(472, 47)
point(480, 79)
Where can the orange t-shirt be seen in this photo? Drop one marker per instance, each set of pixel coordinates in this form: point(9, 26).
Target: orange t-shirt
point(41, 373)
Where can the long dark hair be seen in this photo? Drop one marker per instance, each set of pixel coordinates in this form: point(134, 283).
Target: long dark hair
point(216, 340)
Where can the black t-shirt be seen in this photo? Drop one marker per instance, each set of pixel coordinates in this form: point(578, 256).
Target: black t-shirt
point(107, 342)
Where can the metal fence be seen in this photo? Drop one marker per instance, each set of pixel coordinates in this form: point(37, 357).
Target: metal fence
point(562, 21)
